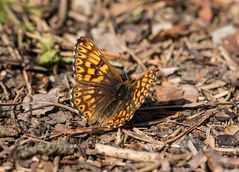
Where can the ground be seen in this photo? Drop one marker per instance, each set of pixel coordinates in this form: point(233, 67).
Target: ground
point(188, 123)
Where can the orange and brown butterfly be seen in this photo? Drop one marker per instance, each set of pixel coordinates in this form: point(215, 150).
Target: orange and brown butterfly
point(100, 95)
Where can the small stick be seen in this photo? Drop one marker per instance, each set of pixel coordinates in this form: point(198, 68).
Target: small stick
point(62, 14)
point(54, 104)
point(4, 90)
point(127, 153)
point(143, 137)
point(12, 108)
point(112, 56)
point(81, 131)
point(9, 104)
point(151, 167)
point(199, 122)
point(88, 130)
point(28, 84)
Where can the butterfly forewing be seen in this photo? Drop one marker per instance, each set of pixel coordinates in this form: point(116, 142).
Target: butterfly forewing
point(91, 66)
point(97, 80)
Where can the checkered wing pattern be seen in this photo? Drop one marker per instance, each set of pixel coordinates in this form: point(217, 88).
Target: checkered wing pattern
point(95, 95)
point(97, 80)
point(138, 91)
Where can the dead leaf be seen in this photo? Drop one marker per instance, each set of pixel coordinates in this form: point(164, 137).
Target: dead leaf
point(222, 116)
point(232, 129)
point(109, 43)
point(174, 32)
point(133, 34)
point(106, 139)
point(168, 92)
point(157, 27)
point(56, 118)
point(194, 75)
point(231, 42)
point(123, 8)
point(60, 128)
point(174, 92)
point(214, 160)
point(84, 7)
point(219, 33)
point(34, 105)
point(9, 130)
point(227, 140)
point(224, 2)
point(197, 160)
point(210, 140)
point(169, 70)
point(190, 93)
point(205, 13)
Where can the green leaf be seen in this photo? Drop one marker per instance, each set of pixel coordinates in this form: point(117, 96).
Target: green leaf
point(4, 4)
point(46, 43)
point(49, 58)
point(67, 59)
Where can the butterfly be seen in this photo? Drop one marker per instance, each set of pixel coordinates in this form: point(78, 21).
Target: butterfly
point(100, 94)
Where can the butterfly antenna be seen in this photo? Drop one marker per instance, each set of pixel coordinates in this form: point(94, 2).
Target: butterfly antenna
point(125, 73)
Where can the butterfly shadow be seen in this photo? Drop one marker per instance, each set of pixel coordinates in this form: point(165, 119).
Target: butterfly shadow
point(152, 111)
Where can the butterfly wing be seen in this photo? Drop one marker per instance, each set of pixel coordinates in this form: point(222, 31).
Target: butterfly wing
point(91, 66)
point(137, 93)
point(97, 81)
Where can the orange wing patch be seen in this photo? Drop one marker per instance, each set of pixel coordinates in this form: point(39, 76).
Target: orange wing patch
point(140, 90)
point(98, 81)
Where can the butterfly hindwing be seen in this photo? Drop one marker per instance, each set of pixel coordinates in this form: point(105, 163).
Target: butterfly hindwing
point(88, 100)
point(138, 92)
point(142, 87)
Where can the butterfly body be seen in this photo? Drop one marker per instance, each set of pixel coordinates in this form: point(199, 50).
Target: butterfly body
point(122, 91)
point(100, 95)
